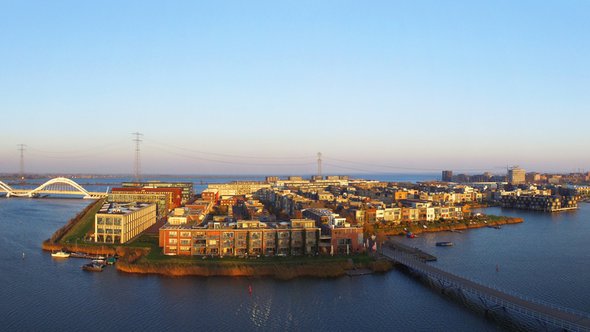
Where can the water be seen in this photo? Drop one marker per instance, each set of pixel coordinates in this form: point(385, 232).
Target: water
point(545, 257)
point(43, 293)
point(200, 181)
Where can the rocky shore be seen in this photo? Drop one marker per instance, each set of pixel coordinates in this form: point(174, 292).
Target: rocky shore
point(417, 229)
point(277, 270)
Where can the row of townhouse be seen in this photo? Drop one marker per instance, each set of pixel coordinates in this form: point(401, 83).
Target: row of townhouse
point(236, 188)
point(254, 238)
point(283, 200)
point(398, 215)
point(244, 238)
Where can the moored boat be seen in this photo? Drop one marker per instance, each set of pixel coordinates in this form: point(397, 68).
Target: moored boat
point(444, 244)
point(93, 267)
point(60, 254)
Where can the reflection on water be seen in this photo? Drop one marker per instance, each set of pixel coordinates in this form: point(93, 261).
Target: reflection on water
point(41, 293)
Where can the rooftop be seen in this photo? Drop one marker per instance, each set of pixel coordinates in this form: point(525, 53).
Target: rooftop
point(122, 208)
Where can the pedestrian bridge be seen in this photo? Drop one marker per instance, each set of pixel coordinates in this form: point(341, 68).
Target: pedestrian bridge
point(539, 311)
point(56, 186)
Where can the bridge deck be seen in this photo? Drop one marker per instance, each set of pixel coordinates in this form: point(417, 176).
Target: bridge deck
point(553, 313)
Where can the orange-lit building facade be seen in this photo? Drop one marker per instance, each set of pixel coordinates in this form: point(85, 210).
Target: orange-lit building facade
point(245, 238)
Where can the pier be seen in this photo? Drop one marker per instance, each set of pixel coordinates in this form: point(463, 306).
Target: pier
point(415, 252)
point(538, 312)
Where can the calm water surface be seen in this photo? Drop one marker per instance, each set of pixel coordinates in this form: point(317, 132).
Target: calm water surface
point(39, 293)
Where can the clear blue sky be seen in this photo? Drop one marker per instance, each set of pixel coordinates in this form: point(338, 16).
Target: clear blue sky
point(262, 86)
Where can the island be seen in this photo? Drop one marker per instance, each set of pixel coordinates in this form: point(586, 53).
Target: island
point(280, 228)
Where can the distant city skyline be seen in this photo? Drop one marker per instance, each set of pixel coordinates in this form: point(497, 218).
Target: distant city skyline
point(262, 87)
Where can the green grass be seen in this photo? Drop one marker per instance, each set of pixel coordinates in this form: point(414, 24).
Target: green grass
point(83, 227)
point(156, 257)
point(143, 241)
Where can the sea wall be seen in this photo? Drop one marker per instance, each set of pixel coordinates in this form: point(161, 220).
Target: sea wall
point(416, 229)
point(282, 271)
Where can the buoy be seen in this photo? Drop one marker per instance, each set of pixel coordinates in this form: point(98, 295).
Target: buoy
point(23, 255)
point(250, 289)
point(497, 268)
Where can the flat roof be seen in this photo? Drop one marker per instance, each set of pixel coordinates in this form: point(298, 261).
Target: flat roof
point(122, 208)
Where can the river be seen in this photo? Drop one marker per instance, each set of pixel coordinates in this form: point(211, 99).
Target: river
point(545, 257)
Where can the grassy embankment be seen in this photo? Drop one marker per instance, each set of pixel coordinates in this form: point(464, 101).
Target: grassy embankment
point(446, 225)
point(73, 235)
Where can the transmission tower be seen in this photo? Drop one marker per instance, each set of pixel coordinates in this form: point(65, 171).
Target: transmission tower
point(21, 148)
point(320, 165)
point(137, 140)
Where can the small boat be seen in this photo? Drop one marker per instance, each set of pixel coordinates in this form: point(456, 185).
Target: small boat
point(60, 254)
point(111, 260)
point(444, 244)
point(78, 255)
point(93, 267)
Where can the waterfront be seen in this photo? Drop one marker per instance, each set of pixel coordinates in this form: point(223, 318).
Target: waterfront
point(41, 293)
point(543, 258)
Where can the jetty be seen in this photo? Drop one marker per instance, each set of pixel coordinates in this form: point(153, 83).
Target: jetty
point(541, 314)
point(414, 252)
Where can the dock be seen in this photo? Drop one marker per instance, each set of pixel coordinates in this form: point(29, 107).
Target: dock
point(517, 308)
point(415, 252)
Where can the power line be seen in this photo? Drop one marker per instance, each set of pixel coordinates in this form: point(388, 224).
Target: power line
point(320, 165)
point(137, 140)
point(84, 152)
point(231, 162)
point(405, 168)
point(21, 148)
point(224, 154)
point(353, 168)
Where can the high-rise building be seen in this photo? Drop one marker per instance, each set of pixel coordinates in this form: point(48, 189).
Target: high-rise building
point(516, 175)
point(447, 176)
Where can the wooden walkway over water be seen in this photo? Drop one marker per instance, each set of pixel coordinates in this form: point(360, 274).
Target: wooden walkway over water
point(547, 313)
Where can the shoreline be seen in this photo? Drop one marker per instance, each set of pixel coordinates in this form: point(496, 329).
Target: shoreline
point(418, 229)
point(309, 267)
point(143, 256)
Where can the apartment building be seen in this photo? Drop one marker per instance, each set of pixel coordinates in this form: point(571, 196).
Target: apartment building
point(120, 222)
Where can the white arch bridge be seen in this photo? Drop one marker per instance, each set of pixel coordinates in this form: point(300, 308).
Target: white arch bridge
point(56, 186)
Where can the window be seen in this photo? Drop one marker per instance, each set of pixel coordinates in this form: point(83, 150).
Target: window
point(185, 234)
point(185, 242)
point(172, 241)
point(172, 234)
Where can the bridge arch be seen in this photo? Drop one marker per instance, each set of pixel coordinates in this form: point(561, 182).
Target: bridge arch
point(60, 180)
point(6, 188)
point(49, 188)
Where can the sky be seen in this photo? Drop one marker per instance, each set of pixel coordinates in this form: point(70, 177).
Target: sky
point(260, 87)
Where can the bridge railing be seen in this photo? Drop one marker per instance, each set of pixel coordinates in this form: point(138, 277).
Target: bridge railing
point(434, 272)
